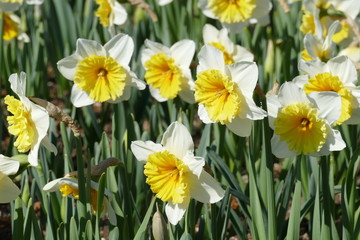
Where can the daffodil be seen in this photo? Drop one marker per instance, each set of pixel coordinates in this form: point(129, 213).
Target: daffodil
point(337, 75)
point(224, 92)
point(237, 14)
point(12, 28)
point(316, 47)
point(167, 70)
point(110, 12)
point(69, 187)
point(29, 122)
point(8, 190)
point(302, 123)
point(174, 173)
point(320, 14)
point(13, 5)
point(100, 73)
point(219, 38)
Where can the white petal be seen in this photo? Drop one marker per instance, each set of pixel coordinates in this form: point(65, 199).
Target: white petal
point(334, 142)
point(242, 54)
point(351, 8)
point(187, 90)
point(203, 115)
point(121, 48)
point(329, 105)
point(119, 14)
point(206, 189)
point(240, 126)
point(262, 9)
point(48, 145)
point(355, 117)
point(273, 106)
point(142, 150)
point(280, 148)
point(328, 43)
point(8, 190)
point(67, 66)
point(338, 143)
point(80, 98)
point(255, 112)
point(55, 184)
point(183, 52)
point(18, 84)
point(155, 92)
point(8, 166)
point(290, 93)
point(245, 74)
point(235, 27)
point(343, 67)
point(187, 95)
point(210, 33)
point(210, 58)
point(86, 48)
point(178, 140)
point(156, 47)
point(195, 164)
point(164, 2)
point(312, 45)
point(135, 82)
point(313, 67)
point(175, 212)
point(203, 5)
point(301, 80)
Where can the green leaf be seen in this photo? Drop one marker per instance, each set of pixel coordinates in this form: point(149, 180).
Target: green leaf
point(143, 227)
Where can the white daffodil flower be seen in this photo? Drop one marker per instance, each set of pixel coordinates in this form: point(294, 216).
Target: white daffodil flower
point(237, 14)
point(337, 75)
point(69, 187)
point(302, 123)
point(101, 73)
point(174, 173)
point(8, 190)
point(29, 122)
point(13, 5)
point(331, 10)
point(12, 28)
point(167, 70)
point(224, 92)
point(219, 38)
point(110, 12)
point(316, 47)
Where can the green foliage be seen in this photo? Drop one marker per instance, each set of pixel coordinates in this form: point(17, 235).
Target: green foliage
point(266, 197)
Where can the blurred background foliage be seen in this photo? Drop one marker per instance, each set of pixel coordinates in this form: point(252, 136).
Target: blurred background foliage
point(310, 198)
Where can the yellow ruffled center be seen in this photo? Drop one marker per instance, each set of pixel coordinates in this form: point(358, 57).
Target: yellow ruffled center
point(20, 124)
point(11, 29)
point(343, 33)
point(166, 175)
point(327, 82)
point(103, 12)
point(307, 23)
point(163, 74)
point(305, 55)
point(67, 189)
point(228, 58)
point(232, 11)
point(300, 127)
point(103, 78)
point(220, 96)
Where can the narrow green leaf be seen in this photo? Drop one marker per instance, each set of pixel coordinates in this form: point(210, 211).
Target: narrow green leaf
point(142, 229)
point(294, 221)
